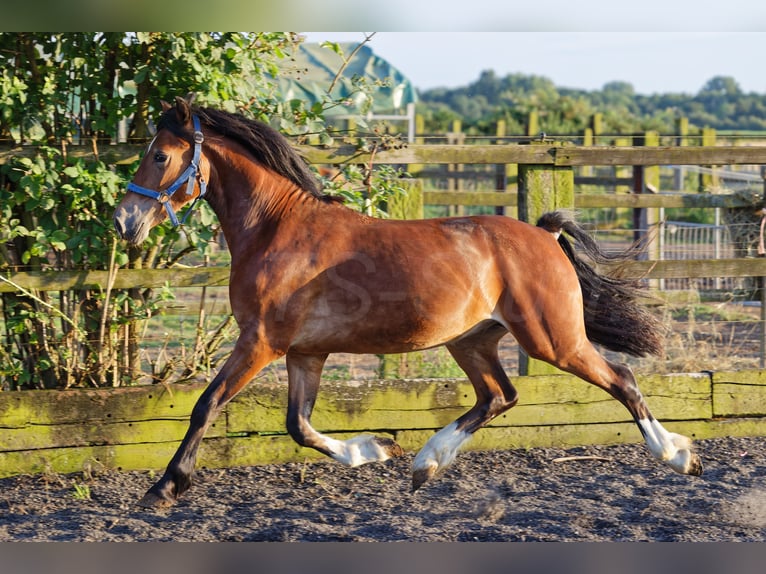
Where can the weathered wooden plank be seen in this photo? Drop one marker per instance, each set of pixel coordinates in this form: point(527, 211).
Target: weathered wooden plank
point(506, 438)
point(20, 409)
point(124, 279)
point(542, 154)
point(32, 437)
point(566, 155)
point(564, 400)
point(262, 449)
point(641, 200)
point(739, 393)
point(659, 155)
point(479, 173)
point(671, 269)
point(77, 459)
point(590, 200)
point(435, 154)
point(603, 180)
point(354, 406)
point(268, 449)
point(109, 154)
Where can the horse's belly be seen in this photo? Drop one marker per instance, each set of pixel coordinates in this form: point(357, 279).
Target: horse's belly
point(384, 329)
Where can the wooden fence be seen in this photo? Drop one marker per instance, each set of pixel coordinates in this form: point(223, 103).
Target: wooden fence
point(139, 427)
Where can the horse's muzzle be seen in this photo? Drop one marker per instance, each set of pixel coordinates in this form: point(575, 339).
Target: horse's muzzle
point(129, 227)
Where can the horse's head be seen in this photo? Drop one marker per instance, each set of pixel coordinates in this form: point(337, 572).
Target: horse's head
point(172, 173)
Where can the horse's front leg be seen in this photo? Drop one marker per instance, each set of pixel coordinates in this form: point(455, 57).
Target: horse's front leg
point(303, 375)
point(243, 365)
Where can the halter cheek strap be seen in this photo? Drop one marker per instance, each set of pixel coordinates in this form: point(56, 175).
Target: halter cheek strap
point(189, 175)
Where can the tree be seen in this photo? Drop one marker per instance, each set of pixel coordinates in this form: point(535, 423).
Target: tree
point(721, 86)
point(55, 211)
point(719, 104)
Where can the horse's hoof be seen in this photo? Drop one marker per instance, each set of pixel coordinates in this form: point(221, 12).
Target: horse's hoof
point(695, 465)
point(389, 446)
point(151, 500)
point(421, 476)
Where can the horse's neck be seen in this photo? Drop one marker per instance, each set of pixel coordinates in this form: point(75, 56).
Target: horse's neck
point(252, 203)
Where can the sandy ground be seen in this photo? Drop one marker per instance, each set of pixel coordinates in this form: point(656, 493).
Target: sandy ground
point(614, 493)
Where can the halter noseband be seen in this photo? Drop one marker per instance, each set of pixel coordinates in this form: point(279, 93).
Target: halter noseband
point(189, 175)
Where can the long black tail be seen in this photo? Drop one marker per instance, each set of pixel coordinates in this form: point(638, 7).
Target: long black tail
point(613, 315)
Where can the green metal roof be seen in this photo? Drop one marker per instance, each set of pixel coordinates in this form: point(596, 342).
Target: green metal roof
point(319, 66)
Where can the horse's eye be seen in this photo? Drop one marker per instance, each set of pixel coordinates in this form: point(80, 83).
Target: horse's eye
point(160, 157)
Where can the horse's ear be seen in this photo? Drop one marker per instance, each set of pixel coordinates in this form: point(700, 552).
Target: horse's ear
point(165, 106)
point(183, 109)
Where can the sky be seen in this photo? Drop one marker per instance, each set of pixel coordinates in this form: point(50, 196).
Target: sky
point(653, 62)
point(658, 46)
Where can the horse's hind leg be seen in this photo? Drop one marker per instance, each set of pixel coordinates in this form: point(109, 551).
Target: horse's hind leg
point(618, 380)
point(303, 375)
point(560, 340)
point(477, 356)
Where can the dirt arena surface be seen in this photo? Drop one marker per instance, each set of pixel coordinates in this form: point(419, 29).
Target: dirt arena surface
point(598, 493)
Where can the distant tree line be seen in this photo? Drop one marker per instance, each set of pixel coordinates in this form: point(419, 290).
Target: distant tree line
point(719, 104)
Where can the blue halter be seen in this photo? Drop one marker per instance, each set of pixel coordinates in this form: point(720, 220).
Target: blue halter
point(188, 176)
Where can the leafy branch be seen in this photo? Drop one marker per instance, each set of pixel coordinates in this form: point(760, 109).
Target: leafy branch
point(336, 48)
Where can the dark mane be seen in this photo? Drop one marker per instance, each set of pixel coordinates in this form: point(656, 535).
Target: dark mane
point(268, 146)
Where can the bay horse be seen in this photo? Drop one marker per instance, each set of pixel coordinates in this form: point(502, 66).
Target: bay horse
point(310, 277)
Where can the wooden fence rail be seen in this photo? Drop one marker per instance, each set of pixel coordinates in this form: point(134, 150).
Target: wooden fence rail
point(590, 200)
point(219, 276)
point(535, 153)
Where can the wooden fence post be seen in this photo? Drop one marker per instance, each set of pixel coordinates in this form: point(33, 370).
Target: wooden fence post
point(622, 171)
point(542, 188)
point(587, 140)
point(596, 125)
point(708, 181)
point(506, 174)
point(646, 179)
point(682, 139)
point(533, 124)
point(414, 169)
point(455, 137)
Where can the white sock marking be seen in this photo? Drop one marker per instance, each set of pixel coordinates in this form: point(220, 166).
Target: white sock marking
point(675, 449)
point(358, 450)
point(441, 449)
